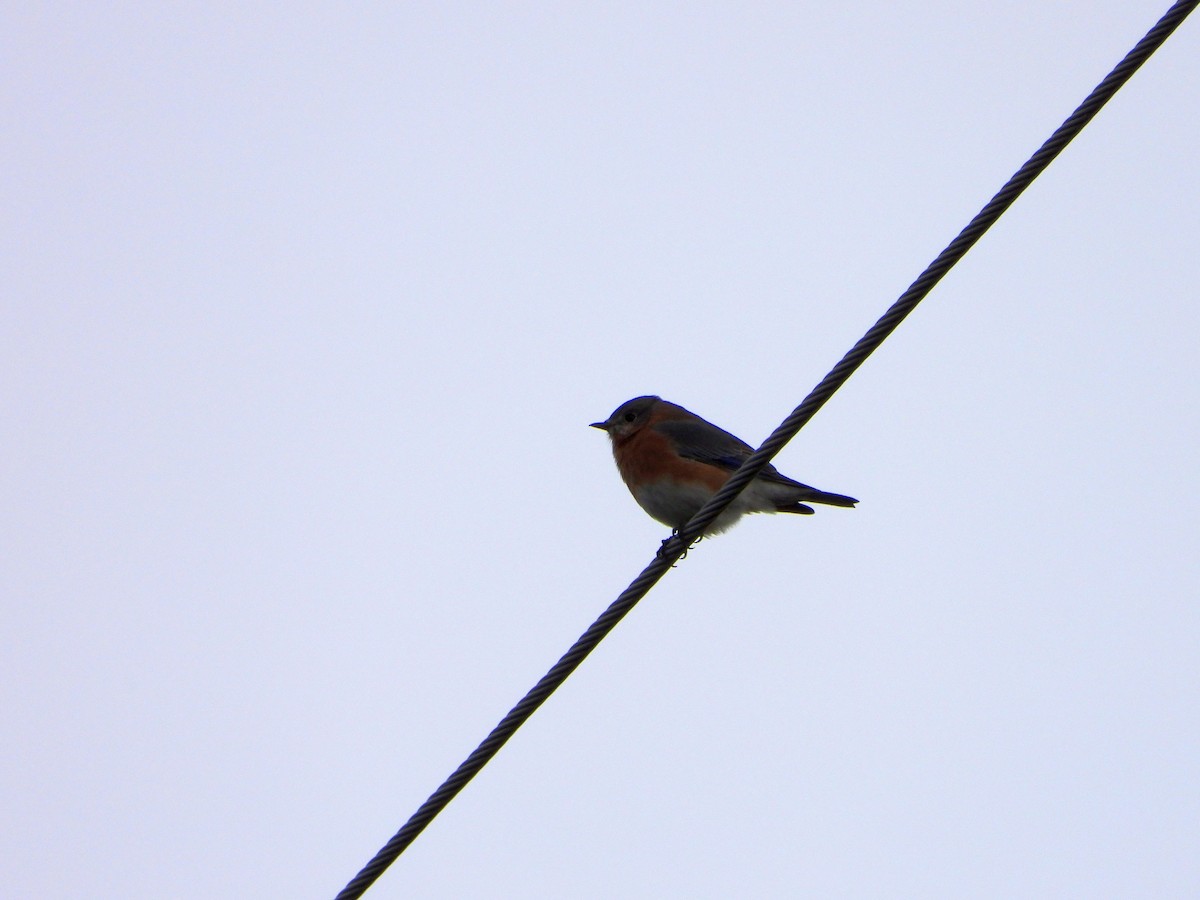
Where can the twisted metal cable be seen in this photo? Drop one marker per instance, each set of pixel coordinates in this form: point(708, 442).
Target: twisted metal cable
point(674, 548)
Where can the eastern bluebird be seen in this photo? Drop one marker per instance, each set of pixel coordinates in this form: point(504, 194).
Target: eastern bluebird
point(673, 461)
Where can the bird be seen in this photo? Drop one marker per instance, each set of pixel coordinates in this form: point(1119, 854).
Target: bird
point(673, 461)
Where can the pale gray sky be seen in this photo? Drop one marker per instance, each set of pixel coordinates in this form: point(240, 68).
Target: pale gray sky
point(305, 313)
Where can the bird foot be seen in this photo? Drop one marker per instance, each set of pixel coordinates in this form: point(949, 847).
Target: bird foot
point(675, 533)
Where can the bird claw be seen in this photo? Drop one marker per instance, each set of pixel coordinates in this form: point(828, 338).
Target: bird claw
point(674, 534)
point(662, 549)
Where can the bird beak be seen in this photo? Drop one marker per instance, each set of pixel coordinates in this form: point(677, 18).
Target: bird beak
point(603, 426)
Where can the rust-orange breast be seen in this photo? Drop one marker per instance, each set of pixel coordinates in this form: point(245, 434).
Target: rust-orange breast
point(646, 457)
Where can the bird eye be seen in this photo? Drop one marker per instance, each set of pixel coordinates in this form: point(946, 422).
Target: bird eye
point(629, 417)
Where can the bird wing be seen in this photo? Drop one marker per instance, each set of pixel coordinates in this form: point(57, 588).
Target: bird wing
point(704, 442)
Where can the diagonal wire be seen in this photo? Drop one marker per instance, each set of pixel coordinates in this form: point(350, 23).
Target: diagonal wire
point(674, 547)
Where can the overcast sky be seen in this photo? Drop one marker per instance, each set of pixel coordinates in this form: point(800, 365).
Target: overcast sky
point(306, 310)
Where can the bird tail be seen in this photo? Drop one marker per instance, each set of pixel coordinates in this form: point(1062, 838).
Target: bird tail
point(829, 499)
point(794, 499)
point(795, 504)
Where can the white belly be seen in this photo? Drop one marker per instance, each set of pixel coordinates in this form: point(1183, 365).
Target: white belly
point(673, 504)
